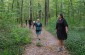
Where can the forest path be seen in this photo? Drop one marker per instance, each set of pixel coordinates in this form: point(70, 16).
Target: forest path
point(48, 42)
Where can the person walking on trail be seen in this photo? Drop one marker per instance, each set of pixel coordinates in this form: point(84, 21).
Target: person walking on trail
point(62, 30)
point(30, 23)
point(38, 26)
point(26, 22)
point(34, 22)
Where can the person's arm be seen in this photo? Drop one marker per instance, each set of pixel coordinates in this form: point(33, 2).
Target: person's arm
point(56, 26)
point(35, 26)
point(66, 29)
point(66, 26)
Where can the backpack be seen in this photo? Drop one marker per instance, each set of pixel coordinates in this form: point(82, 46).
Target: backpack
point(38, 26)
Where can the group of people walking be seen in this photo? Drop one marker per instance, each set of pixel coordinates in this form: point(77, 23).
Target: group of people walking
point(61, 30)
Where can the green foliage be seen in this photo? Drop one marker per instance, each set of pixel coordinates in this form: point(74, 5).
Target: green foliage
point(12, 50)
point(12, 42)
point(75, 42)
point(12, 37)
point(21, 35)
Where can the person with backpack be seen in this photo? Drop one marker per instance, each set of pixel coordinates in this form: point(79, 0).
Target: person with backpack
point(38, 26)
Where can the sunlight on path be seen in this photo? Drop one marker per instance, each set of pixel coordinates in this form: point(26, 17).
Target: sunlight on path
point(49, 45)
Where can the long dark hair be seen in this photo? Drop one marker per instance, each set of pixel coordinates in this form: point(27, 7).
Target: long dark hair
point(61, 15)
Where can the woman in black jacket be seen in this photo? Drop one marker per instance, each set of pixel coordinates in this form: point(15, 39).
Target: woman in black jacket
point(61, 29)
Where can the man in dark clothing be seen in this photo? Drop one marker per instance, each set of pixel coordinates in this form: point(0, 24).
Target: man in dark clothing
point(34, 23)
point(30, 23)
point(26, 22)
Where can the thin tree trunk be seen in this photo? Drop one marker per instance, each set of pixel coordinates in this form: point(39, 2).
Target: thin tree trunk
point(18, 11)
point(68, 10)
point(12, 4)
point(22, 14)
point(31, 9)
point(84, 7)
point(56, 8)
point(72, 9)
point(61, 6)
point(39, 11)
point(46, 11)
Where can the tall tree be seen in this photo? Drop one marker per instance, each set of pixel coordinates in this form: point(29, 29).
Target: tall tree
point(61, 7)
point(46, 11)
point(13, 4)
point(18, 11)
point(31, 10)
point(39, 10)
point(56, 8)
point(21, 13)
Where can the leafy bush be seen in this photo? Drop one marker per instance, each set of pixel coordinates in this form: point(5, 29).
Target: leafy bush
point(20, 35)
point(75, 42)
point(12, 50)
point(12, 38)
point(14, 42)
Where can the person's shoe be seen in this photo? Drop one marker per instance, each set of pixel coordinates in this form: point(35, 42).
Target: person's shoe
point(39, 38)
point(63, 48)
point(59, 49)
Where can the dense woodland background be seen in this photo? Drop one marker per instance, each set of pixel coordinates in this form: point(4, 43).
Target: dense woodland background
point(13, 14)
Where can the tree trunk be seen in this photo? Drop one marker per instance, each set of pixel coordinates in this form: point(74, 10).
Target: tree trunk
point(68, 10)
point(18, 12)
point(46, 11)
point(56, 8)
point(39, 11)
point(31, 10)
point(72, 9)
point(61, 6)
point(12, 4)
point(22, 14)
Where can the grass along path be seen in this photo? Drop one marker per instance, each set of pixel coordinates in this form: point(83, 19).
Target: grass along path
point(48, 42)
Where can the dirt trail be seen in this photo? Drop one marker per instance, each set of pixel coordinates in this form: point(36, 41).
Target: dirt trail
point(49, 45)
